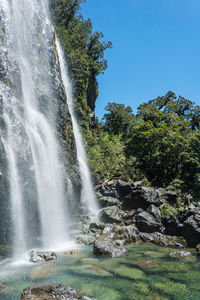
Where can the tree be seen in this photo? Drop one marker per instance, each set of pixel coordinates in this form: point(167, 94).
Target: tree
point(119, 119)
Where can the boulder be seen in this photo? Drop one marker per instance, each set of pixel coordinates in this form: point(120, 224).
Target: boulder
point(186, 213)
point(146, 223)
point(108, 247)
point(160, 239)
point(140, 197)
point(155, 212)
point(37, 256)
point(51, 291)
point(111, 214)
point(170, 196)
point(108, 188)
point(191, 230)
point(172, 225)
point(106, 201)
point(127, 234)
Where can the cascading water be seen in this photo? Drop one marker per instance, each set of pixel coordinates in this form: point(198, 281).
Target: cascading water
point(88, 198)
point(28, 134)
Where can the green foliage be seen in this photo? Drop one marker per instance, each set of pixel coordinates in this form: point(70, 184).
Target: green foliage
point(119, 118)
point(159, 145)
point(107, 155)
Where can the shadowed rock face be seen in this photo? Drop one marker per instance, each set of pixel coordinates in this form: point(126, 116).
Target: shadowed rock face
point(52, 291)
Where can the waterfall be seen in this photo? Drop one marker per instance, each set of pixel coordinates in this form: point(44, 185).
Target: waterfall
point(87, 193)
point(38, 197)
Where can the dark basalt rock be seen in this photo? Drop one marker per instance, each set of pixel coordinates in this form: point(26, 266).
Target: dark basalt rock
point(180, 254)
point(51, 291)
point(172, 225)
point(37, 256)
point(134, 197)
point(146, 223)
point(186, 213)
point(108, 247)
point(191, 230)
point(169, 196)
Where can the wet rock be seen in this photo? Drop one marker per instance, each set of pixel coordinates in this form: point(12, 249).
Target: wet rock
point(127, 234)
point(160, 239)
point(180, 254)
point(146, 223)
point(108, 247)
point(37, 256)
point(51, 292)
point(191, 230)
point(111, 214)
point(172, 225)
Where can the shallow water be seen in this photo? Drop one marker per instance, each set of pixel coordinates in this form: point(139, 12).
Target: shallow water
point(146, 272)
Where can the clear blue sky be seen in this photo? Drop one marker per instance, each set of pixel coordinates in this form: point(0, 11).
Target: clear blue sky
point(156, 48)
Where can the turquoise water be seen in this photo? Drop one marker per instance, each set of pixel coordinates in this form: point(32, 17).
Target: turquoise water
point(146, 272)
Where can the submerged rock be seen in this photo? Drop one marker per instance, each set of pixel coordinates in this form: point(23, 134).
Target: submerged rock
point(72, 252)
point(37, 256)
point(180, 254)
point(51, 291)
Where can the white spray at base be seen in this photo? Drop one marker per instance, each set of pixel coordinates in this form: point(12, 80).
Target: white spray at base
point(88, 198)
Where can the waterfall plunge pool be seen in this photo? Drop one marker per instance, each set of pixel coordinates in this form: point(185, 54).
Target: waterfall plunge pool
point(146, 272)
